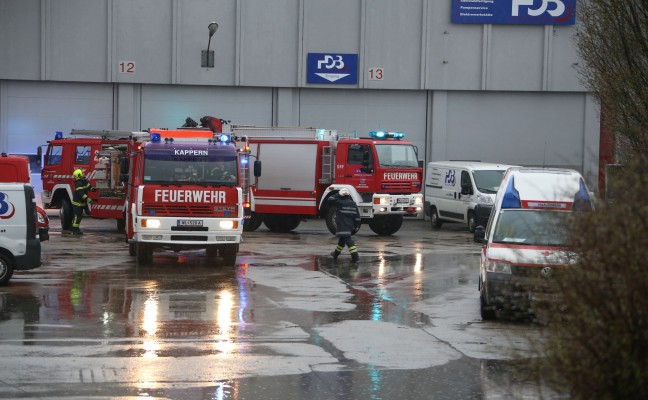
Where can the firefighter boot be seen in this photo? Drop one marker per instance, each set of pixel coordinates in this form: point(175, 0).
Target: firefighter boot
point(355, 257)
point(77, 232)
point(335, 253)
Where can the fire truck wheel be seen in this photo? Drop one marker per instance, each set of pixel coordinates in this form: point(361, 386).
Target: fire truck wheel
point(6, 268)
point(121, 225)
point(65, 213)
point(385, 225)
point(281, 223)
point(212, 252)
point(253, 222)
point(332, 226)
point(229, 252)
point(143, 253)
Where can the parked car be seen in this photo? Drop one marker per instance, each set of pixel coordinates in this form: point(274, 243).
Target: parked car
point(526, 241)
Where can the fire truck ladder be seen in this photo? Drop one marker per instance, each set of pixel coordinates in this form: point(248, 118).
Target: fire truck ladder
point(110, 134)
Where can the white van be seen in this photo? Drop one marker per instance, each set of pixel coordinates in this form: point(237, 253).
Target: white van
point(526, 241)
point(454, 188)
point(20, 247)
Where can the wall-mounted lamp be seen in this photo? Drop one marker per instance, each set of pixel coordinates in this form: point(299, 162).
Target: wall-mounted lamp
point(207, 56)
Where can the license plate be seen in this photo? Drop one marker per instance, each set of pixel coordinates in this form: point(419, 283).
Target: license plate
point(190, 222)
point(402, 201)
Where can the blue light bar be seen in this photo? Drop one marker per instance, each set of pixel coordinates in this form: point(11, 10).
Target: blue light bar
point(58, 135)
point(386, 135)
point(582, 201)
point(156, 137)
point(225, 138)
point(511, 196)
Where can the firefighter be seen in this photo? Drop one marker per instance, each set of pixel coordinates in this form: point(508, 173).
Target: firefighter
point(80, 199)
point(347, 218)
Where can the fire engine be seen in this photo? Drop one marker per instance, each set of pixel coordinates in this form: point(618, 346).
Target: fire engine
point(303, 167)
point(184, 192)
point(103, 156)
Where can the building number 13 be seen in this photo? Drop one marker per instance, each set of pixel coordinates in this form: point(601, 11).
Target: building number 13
point(376, 74)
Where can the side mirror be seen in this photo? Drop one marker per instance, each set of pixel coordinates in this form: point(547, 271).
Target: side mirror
point(39, 156)
point(480, 235)
point(466, 190)
point(257, 168)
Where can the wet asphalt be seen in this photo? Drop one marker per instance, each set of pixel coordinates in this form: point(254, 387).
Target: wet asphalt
point(285, 322)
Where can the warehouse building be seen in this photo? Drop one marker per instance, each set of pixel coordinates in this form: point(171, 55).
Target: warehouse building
point(485, 80)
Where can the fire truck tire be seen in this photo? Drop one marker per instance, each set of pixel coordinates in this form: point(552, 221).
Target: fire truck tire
point(252, 223)
point(229, 252)
point(331, 225)
point(385, 225)
point(6, 268)
point(143, 253)
point(131, 249)
point(212, 252)
point(121, 225)
point(65, 214)
point(281, 223)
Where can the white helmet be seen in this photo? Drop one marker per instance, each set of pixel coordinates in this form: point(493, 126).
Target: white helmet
point(344, 192)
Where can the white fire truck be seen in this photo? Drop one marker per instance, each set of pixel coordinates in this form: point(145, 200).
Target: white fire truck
point(184, 192)
point(303, 167)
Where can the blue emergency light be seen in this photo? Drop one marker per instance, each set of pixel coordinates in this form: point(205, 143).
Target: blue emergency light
point(58, 135)
point(225, 138)
point(156, 137)
point(386, 135)
point(582, 201)
point(511, 196)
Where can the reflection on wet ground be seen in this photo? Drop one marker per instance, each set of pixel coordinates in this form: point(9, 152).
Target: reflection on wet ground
point(285, 322)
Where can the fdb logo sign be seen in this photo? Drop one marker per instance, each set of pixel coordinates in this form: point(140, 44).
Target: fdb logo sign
point(541, 12)
point(332, 68)
point(7, 208)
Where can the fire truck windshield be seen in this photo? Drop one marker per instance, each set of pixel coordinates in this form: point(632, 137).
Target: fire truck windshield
point(198, 166)
point(396, 156)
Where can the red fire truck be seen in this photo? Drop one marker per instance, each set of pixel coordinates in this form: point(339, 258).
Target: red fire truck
point(103, 156)
point(303, 167)
point(184, 192)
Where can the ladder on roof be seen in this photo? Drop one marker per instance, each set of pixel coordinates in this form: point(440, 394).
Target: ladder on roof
point(110, 134)
point(281, 132)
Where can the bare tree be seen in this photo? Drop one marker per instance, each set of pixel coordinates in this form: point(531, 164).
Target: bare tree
point(613, 42)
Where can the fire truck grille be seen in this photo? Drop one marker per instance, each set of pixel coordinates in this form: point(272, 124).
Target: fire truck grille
point(180, 210)
point(399, 187)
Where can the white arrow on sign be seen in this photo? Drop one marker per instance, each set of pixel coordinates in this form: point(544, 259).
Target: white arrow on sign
point(332, 77)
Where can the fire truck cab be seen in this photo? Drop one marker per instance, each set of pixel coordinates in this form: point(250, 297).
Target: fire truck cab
point(185, 193)
point(103, 156)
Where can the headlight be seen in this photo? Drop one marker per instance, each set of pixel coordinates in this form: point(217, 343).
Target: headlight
point(418, 200)
point(381, 200)
point(151, 223)
point(228, 224)
point(501, 267)
point(482, 198)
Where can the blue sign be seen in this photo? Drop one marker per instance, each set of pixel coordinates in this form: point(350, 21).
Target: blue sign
point(515, 12)
point(331, 68)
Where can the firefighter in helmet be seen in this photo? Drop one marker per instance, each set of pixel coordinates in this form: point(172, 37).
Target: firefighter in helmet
point(347, 219)
point(80, 199)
